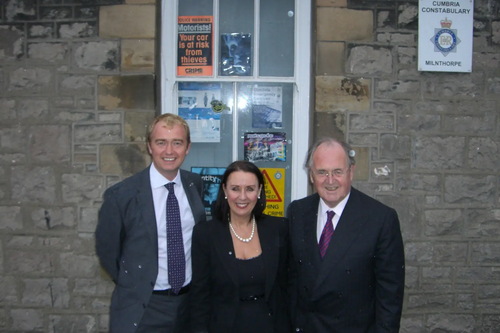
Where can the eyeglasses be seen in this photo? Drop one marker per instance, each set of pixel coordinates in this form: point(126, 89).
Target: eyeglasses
point(334, 173)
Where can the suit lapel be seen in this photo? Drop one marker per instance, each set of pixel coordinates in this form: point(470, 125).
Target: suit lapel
point(146, 206)
point(308, 216)
point(345, 234)
point(310, 226)
point(225, 249)
point(269, 242)
point(193, 196)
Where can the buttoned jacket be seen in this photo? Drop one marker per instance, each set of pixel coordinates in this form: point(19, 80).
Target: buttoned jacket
point(358, 286)
point(127, 243)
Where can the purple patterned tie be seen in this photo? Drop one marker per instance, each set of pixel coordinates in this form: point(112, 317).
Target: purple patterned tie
point(175, 244)
point(327, 233)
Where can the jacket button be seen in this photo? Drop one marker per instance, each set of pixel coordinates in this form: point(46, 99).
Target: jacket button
point(152, 284)
point(135, 324)
point(139, 266)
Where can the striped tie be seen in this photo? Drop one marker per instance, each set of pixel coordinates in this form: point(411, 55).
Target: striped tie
point(327, 233)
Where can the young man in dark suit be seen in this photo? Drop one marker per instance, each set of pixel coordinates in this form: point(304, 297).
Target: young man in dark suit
point(143, 236)
point(347, 255)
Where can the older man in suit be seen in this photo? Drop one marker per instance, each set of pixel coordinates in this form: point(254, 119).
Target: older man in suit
point(347, 255)
point(143, 237)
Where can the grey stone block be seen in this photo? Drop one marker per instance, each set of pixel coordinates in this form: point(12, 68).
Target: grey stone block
point(77, 84)
point(393, 146)
point(366, 60)
point(78, 265)
point(469, 189)
point(8, 289)
point(31, 109)
point(54, 217)
point(484, 153)
point(482, 223)
point(56, 12)
point(418, 182)
point(41, 30)
point(33, 185)
point(443, 222)
point(11, 41)
point(371, 122)
point(98, 133)
point(97, 56)
point(396, 90)
point(419, 123)
point(453, 252)
point(72, 323)
point(430, 302)
point(431, 274)
point(31, 80)
point(52, 293)
point(7, 107)
point(88, 219)
point(27, 320)
point(10, 218)
point(77, 188)
point(77, 30)
point(13, 139)
point(485, 253)
point(31, 263)
point(446, 322)
point(50, 143)
point(49, 52)
point(419, 252)
point(438, 152)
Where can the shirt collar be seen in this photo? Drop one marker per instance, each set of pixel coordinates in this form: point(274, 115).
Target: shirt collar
point(158, 180)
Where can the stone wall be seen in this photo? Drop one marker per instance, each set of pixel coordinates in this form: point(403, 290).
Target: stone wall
point(77, 91)
point(76, 95)
point(430, 147)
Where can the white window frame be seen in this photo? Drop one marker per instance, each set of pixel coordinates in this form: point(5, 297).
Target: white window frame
point(302, 70)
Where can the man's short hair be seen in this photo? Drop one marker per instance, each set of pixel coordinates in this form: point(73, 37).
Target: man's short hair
point(349, 152)
point(169, 120)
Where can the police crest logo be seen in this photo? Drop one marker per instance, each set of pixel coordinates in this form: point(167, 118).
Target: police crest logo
point(445, 39)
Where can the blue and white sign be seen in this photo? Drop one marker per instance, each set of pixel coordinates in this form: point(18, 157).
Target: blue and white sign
point(445, 35)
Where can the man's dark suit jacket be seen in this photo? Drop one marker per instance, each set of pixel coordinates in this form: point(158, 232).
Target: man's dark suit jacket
point(127, 243)
point(215, 292)
point(358, 286)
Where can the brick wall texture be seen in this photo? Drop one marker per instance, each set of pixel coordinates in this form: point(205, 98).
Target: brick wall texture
point(77, 90)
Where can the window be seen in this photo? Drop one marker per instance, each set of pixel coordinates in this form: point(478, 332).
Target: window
point(239, 72)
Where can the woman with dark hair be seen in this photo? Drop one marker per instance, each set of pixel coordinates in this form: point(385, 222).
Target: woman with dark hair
point(239, 260)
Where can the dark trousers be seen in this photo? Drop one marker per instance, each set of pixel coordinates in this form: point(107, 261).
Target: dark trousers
point(165, 314)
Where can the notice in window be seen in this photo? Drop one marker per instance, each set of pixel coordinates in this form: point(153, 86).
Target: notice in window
point(236, 54)
point(212, 178)
point(265, 147)
point(274, 184)
point(200, 105)
point(267, 107)
point(194, 48)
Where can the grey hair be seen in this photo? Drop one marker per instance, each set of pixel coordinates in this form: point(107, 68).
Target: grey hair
point(349, 152)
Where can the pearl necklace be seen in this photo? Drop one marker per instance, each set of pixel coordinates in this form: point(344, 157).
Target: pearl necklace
point(244, 240)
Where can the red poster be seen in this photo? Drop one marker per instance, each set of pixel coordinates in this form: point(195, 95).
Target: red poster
point(195, 46)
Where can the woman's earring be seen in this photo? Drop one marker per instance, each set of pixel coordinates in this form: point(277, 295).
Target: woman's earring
point(225, 197)
point(258, 197)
